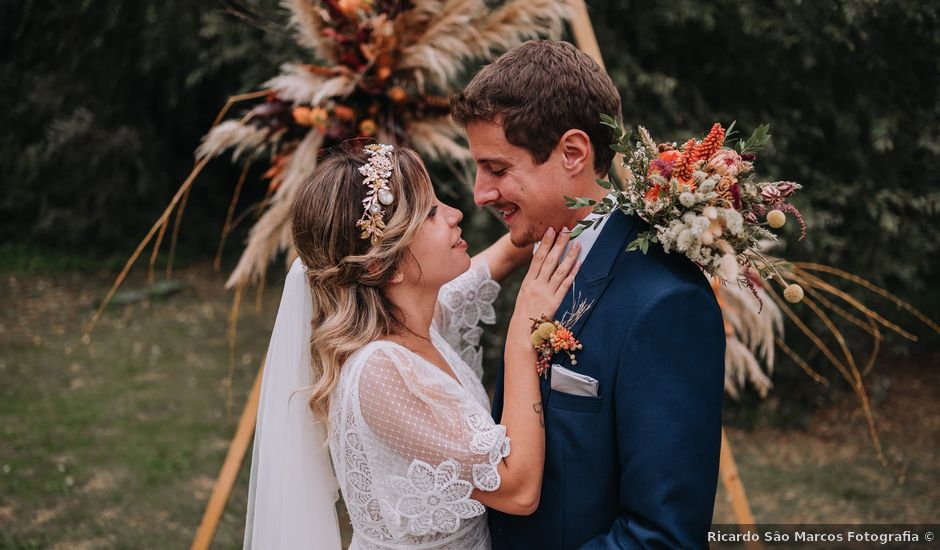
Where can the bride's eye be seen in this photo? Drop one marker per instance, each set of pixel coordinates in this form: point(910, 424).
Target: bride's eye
point(433, 211)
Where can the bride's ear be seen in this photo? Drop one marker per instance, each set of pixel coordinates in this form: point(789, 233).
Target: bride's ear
point(576, 151)
point(374, 267)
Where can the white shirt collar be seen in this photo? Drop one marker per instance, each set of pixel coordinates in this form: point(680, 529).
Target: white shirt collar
point(588, 237)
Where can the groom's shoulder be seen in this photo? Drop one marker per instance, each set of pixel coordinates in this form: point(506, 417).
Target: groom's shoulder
point(655, 270)
point(642, 281)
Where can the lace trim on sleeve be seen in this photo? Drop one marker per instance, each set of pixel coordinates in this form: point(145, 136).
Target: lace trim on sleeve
point(469, 298)
point(463, 304)
point(433, 499)
point(488, 439)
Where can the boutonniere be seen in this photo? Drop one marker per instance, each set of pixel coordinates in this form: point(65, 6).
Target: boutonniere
point(552, 336)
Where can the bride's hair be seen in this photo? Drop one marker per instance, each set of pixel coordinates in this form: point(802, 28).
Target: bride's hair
point(345, 271)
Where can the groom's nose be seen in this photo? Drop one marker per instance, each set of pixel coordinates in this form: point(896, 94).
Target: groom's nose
point(484, 193)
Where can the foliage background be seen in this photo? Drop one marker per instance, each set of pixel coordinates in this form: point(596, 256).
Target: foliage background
point(851, 89)
point(104, 103)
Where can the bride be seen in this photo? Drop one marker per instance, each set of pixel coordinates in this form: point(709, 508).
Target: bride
point(374, 363)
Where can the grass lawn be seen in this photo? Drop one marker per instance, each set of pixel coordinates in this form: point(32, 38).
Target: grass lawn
point(117, 444)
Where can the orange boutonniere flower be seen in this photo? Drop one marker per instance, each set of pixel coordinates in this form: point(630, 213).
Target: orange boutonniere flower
point(549, 338)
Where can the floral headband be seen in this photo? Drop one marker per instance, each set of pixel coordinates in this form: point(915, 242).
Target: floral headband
point(376, 172)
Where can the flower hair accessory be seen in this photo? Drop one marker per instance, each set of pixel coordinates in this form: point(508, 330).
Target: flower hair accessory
point(376, 172)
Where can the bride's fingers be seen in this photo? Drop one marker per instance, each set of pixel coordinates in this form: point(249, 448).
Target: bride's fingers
point(566, 284)
point(539, 258)
point(564, 268)
point(554, 255)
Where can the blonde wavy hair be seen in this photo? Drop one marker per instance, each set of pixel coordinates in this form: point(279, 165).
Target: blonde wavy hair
point(346, 272)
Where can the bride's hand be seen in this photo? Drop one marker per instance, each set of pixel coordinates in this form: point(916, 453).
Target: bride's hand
point(548, 279)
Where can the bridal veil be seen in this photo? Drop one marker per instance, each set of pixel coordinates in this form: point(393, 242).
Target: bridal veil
point(293, 491)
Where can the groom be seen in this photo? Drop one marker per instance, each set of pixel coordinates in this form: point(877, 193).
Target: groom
point(631, 461)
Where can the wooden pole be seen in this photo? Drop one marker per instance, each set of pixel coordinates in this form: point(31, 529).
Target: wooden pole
point(583, 31)
point(735, 488)
point(586, 40)
point(229, 473)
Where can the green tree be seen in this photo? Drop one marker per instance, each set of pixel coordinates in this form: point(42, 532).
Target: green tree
point(104, 103)
point(851, 89)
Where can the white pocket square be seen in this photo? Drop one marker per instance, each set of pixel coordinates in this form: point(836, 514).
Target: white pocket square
point(573, 383)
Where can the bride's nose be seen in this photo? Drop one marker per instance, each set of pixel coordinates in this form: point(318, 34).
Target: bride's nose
point(453, 216)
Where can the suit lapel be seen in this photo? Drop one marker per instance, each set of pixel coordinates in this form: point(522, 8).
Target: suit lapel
point(591, 281)
point(595, 273)
point(594, 277)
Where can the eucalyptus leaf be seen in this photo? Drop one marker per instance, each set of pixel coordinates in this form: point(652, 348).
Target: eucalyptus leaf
point(609, 121)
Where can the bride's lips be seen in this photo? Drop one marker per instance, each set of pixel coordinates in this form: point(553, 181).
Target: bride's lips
point(459, 243)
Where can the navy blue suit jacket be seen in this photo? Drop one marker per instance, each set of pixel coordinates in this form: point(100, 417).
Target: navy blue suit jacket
point(637, 466)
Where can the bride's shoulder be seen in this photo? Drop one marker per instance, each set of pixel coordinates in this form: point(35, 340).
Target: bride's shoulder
point(365, 358)
point(375, 348)
point(377, 352)
point(380, 364)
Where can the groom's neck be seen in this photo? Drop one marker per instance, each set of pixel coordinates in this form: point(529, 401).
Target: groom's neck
point(587, 188)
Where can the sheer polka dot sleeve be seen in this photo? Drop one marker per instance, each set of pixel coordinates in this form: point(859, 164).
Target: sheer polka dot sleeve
point(440, 442)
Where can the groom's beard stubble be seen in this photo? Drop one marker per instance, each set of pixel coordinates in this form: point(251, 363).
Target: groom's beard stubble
point(527, 238)
point(521, 233)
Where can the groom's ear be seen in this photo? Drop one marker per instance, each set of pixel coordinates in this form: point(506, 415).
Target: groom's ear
point(575, 150)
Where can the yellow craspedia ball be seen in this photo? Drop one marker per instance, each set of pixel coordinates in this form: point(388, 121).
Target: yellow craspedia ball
point(546, 329)
point(776, 219)
point(793, 293)
point(536, 339)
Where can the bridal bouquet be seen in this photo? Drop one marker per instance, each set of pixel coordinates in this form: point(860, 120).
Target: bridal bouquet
point(703, 200)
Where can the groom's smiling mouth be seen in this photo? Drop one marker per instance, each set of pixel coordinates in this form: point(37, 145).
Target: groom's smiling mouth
point(508, 211)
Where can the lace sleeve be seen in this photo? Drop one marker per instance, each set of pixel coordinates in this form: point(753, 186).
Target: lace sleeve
point(461, 305)
point(442, 443)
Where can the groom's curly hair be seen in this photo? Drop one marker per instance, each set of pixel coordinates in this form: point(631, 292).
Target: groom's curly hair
point(537, 92)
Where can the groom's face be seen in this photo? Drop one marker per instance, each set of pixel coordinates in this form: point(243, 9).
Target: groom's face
point(529, 196)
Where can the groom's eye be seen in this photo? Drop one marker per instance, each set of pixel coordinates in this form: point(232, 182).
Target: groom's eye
point(497, 173)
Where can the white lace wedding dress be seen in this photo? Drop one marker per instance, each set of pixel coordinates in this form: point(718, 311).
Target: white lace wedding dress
point(409, 443)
